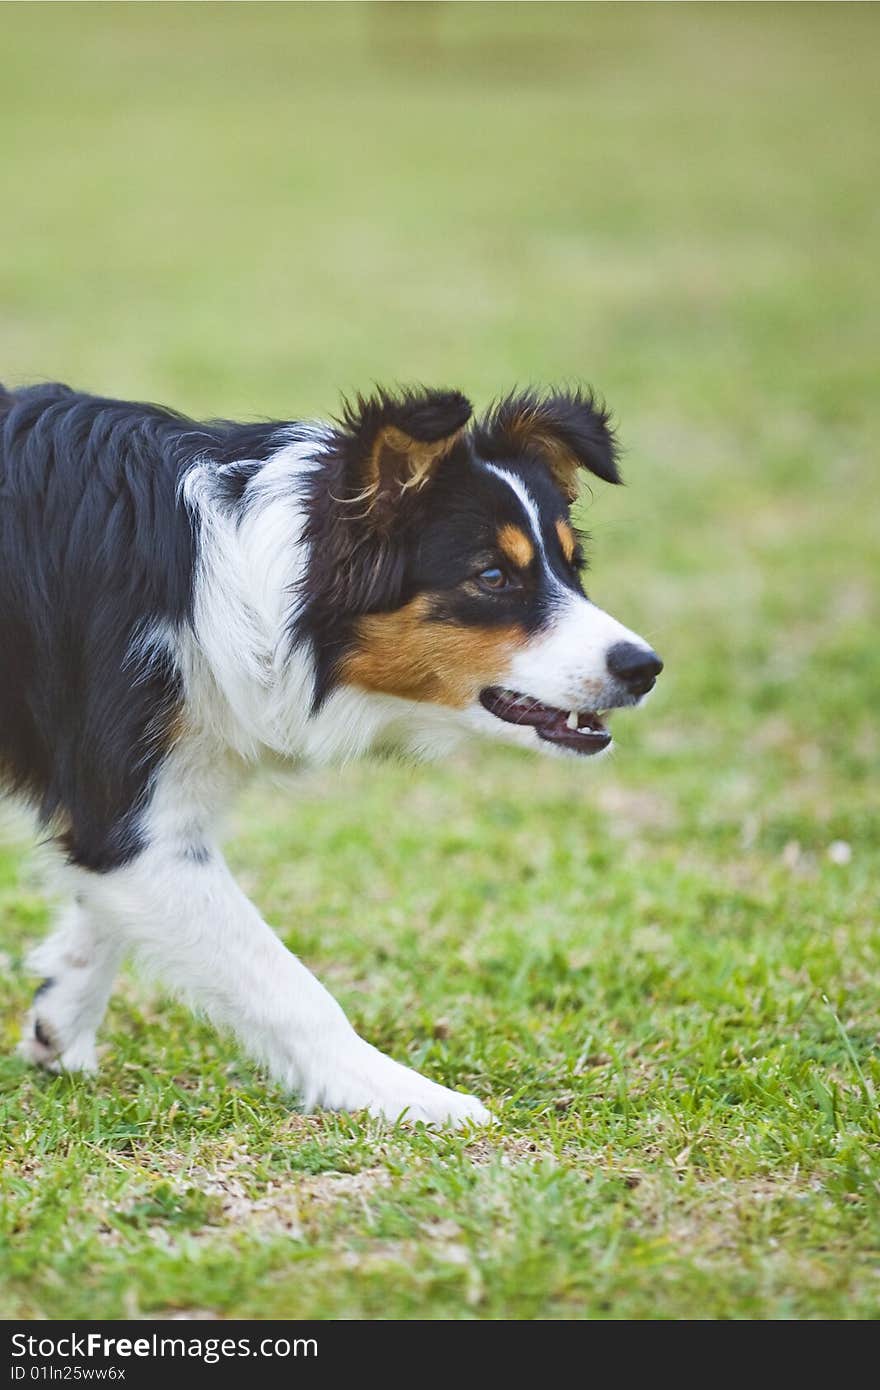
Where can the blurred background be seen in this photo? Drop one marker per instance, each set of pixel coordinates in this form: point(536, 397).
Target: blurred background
point(243, 210)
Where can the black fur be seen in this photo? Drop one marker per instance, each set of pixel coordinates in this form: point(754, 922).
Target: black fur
point(422, 414)
point(96, 548)
point(358, 562)
point(572, 418)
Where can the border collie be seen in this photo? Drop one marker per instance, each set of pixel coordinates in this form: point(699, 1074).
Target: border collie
point(178, 598)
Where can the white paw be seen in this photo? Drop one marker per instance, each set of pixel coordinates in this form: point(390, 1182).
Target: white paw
point(439, 1106)
point(39, 1045)
point(362, 1078)
point(32, 1050)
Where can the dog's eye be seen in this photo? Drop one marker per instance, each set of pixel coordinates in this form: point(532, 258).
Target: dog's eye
point(493, 579)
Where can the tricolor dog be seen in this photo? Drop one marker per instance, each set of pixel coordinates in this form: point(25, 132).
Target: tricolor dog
point(178, 599)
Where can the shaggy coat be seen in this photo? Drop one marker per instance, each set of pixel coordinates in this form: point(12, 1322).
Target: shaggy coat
point(178, 599)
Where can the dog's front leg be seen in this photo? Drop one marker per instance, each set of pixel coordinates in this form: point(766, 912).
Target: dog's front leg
point(78, 963)
point(187, 919)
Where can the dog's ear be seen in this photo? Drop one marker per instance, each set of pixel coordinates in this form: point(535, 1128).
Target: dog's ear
point(566, 430)
point(393, 444)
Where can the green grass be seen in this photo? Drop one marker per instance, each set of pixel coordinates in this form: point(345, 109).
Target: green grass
point(653, 967)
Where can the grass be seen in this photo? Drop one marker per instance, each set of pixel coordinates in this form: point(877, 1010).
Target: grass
point(661, 970)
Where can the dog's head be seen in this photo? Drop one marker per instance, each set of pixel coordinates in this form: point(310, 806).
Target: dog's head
point(445, 569)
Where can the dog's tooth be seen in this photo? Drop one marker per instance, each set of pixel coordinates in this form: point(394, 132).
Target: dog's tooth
point(572, 720)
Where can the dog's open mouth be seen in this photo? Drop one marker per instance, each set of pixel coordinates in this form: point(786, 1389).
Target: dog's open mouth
point(580, 730)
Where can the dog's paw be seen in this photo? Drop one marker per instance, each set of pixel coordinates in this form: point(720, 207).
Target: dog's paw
point(44, 1045)
point(439, 1106)
point(365, 1079)
point(36, 1045)
point(80, 1056)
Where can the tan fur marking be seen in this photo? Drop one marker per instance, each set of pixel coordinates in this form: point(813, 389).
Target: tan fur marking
point(410, 461)
point(407, 654)
point(526, 432)
point(516, 545)
point(566, 539)
point(177, 727)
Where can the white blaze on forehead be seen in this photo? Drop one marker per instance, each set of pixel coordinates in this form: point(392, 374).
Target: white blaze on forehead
point(526, 501)
point(562, 591)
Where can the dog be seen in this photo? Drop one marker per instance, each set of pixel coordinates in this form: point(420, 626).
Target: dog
point(178, 599)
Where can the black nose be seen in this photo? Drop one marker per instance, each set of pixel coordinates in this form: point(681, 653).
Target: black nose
point(635, 667)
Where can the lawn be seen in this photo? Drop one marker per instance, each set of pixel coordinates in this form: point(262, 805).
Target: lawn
point(661, 971)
